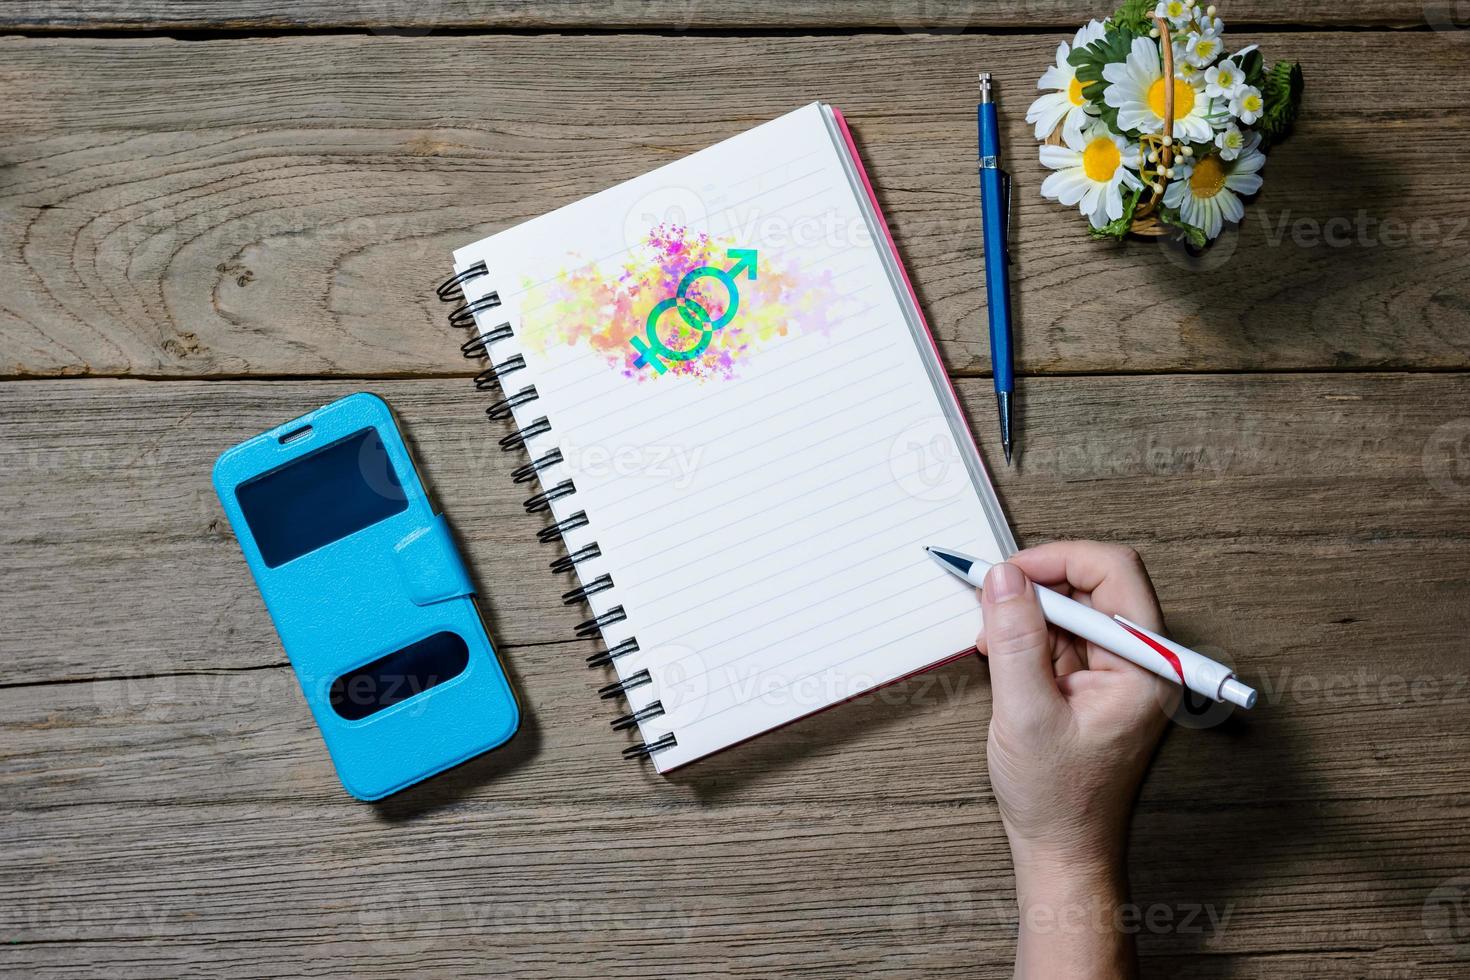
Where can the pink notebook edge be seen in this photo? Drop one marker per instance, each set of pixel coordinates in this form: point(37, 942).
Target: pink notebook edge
point(862, 171)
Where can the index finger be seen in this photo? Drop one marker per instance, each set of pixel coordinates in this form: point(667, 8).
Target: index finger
point(1112, 573)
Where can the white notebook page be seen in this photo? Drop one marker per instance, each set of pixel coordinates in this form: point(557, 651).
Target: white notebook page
point(761, 509)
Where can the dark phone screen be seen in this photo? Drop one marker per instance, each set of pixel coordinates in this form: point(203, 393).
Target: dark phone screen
point(399, 676)
point(325, 495)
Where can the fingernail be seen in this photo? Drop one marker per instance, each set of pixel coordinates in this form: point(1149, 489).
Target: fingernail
point(1004, 581)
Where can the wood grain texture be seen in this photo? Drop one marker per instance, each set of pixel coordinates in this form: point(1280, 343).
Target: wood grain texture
point(407, 17)
point(124, 565)
point(283, 206)
point(155, 826)
point(166, 803)
point(228, 215)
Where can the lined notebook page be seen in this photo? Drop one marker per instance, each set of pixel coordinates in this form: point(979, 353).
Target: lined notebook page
point(762, 509)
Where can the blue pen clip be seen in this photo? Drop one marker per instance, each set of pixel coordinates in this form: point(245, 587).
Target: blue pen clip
point(1005, 219)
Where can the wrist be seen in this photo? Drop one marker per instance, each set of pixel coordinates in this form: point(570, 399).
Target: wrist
point(1095, 864)
point(1086, 894)
point(1073, 914)
point(1072, 893)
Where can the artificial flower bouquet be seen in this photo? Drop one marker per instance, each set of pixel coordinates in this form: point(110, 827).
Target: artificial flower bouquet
point(1152, 127)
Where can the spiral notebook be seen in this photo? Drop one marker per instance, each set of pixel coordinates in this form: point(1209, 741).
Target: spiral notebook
point(738, 425)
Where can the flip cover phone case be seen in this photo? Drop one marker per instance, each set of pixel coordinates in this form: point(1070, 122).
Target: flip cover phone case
point(369, 595)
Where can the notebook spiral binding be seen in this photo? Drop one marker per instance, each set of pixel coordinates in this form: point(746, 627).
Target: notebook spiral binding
point(465, 316)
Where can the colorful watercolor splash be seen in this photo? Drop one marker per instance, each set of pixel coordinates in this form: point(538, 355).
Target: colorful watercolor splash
point(683, 303)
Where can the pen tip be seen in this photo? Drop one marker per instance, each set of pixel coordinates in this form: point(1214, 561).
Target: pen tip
point(951, 562)
point(1003, 403)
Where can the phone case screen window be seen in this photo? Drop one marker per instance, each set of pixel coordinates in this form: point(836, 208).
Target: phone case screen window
point(323, 496)
point(399, 676)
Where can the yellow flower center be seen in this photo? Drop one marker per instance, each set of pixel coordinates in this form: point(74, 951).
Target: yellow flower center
point(1074, 92)
point(1101, 158)
point(1208, 178)
point(1205, 49)
point(1183, 98)
point(1251, 103)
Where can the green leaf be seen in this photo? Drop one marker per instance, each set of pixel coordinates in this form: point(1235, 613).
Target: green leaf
point(1252, 68)
point(1118, 228)
point(1195, 236)
point(1111, 48)
point(1281, 93)
point(1135, 16)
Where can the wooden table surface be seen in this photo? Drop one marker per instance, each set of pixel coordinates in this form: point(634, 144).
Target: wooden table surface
point(214, 217)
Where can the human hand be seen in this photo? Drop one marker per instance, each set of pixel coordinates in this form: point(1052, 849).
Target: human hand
point(1071, 732)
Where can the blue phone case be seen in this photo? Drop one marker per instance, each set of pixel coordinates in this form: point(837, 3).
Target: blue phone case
point(388, 598)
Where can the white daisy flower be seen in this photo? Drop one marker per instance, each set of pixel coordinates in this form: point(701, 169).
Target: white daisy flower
point(1205, 195)
point(1247, 104)
point(1091, 31)
point(1136, 90)
point(1231, 141)
point(1091, 171)
point(1201, 49)
point(1223, 79)
point(1065, 104)
point(1175, 12)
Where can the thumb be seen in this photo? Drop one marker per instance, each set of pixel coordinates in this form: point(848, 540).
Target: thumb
point(1017, 646)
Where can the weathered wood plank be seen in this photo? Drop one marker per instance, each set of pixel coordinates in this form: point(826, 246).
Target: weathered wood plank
point(903, 868)
point(155, 220)
point(120, 563)
point(246, 738)
point(152, 823)
point(401, 16)
point(167, 804)
point(1312, 527)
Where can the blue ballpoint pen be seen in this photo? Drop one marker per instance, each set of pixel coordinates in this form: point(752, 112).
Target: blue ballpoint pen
point(994, 204)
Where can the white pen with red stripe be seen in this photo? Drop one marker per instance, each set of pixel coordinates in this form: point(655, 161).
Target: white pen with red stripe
point(1130, 641)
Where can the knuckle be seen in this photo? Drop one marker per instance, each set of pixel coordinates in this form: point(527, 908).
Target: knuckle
point(1012, 635)
point(1126, 556)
